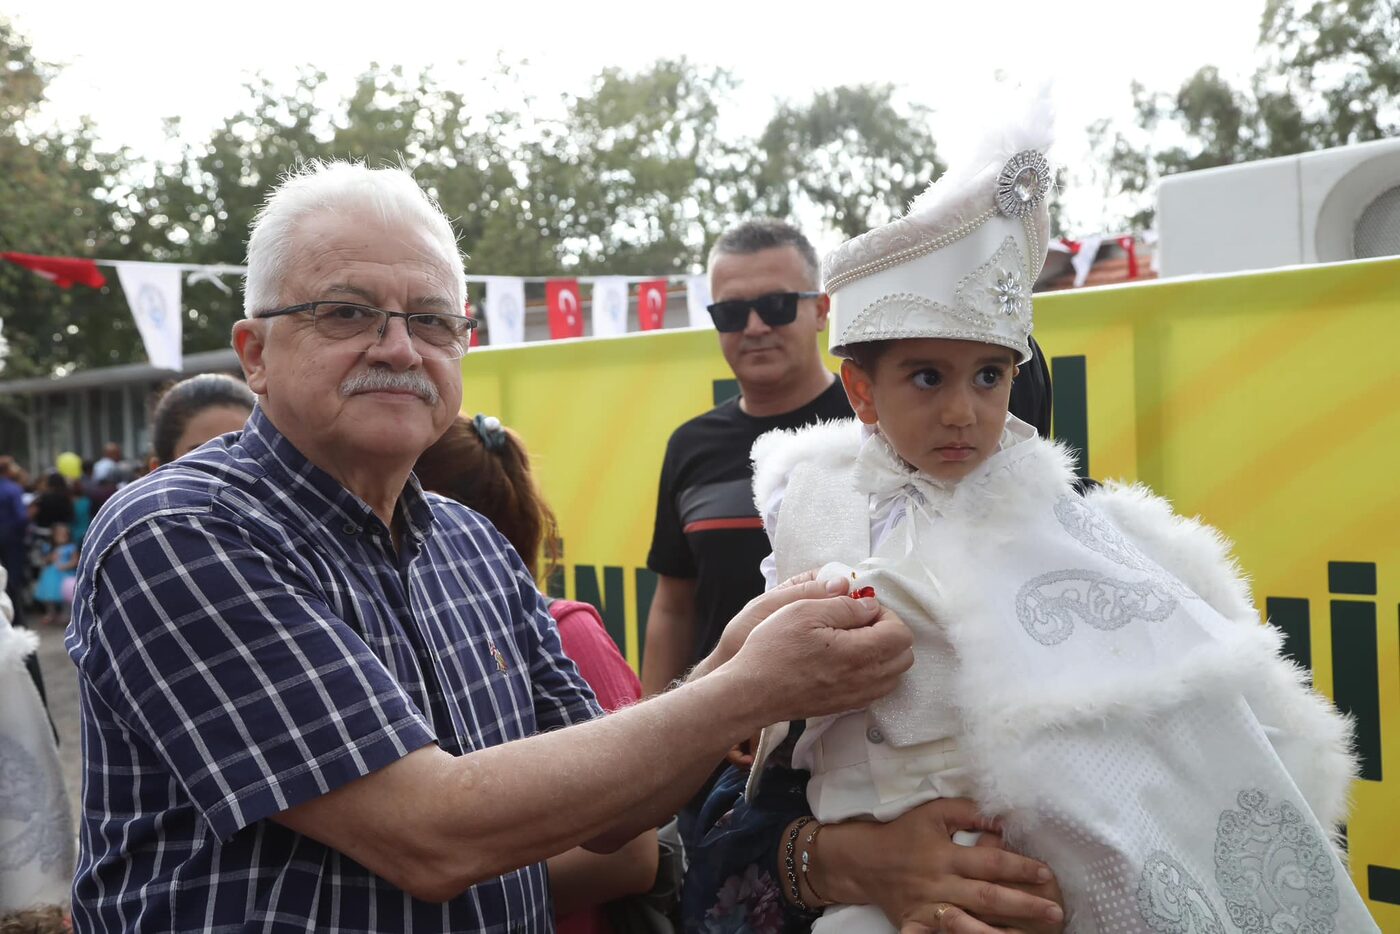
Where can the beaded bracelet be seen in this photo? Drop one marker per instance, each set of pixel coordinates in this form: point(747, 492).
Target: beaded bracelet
point(810, 844)
point(790, 865)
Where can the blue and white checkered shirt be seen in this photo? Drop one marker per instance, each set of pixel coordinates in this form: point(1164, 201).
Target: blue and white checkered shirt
point(247, 639)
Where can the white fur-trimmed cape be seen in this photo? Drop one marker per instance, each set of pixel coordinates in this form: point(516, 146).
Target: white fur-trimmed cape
point(776, 453)
point(1312, 739)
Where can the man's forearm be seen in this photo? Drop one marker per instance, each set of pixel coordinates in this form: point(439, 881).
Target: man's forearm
point(633, 755)
point(519, 803)
point(434, 824)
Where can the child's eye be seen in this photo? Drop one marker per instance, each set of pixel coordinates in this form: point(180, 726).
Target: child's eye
point(927, 379)
point(988, 377)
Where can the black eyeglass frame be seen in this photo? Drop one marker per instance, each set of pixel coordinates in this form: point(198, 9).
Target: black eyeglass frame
point(775, 309)
point(469, 323)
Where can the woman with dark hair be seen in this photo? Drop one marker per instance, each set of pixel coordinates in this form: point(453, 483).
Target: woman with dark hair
point(54, 504)
point(197, 410)
point(484, 466)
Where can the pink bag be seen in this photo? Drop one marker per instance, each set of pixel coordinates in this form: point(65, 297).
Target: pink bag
point(69, 586)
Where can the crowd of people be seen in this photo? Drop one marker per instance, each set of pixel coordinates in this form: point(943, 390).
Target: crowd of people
point(44, 519)
point(904, 671)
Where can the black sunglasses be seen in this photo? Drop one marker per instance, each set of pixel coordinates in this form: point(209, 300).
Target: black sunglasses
point(775, 310)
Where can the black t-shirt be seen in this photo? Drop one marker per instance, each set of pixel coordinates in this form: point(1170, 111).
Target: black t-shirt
point(707, 528)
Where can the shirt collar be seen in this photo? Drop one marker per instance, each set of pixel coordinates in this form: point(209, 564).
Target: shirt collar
point(881, 471)
point(321, 493)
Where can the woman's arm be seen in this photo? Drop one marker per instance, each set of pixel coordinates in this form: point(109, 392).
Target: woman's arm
point(737, 877)
point(732, 885)
point(910, 867)
point(580, 879)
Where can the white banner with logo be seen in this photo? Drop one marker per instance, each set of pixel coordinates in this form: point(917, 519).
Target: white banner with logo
point(153, 292)
point(505, 310)
point(609, 306)
point(697, 301)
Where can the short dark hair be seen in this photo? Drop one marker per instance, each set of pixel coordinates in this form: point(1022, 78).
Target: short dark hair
point(866, 354)
point(767, 233)
point(188, 398)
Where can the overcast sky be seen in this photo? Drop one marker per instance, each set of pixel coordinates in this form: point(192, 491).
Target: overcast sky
point(132, 64)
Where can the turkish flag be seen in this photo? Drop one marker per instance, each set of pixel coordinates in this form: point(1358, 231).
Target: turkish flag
point(1129, 246)
point(565, 309)
point(651, 304)
point(62, 271)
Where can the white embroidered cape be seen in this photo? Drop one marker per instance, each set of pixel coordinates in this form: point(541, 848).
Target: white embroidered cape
point(1111, 692)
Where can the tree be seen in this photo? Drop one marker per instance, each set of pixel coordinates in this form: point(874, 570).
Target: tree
point(635, 178)
point(1327, 76)
point(54, 187)
point(850, 153)
point(631, 176)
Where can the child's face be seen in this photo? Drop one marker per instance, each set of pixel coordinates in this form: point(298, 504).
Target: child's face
point(60, 534)
point(941, 403)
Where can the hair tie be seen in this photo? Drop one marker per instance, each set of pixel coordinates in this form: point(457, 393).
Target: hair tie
point(491, 432)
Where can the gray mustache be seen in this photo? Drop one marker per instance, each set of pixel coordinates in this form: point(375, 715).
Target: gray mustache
point(381, 380)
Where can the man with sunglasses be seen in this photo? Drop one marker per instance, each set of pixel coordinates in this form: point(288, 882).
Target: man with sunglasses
point(315, 697)
point(708, 539)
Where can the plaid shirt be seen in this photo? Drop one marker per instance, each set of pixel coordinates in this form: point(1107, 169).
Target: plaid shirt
point(247, 639)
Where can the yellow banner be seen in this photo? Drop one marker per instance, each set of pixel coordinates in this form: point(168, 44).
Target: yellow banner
point(1268, 404)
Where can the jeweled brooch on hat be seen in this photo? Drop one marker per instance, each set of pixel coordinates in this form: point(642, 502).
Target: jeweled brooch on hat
point(1023, 183)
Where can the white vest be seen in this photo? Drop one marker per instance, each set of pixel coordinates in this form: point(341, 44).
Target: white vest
point(1099, 667)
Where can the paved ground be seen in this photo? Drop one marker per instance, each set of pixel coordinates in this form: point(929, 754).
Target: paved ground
point(61, 682)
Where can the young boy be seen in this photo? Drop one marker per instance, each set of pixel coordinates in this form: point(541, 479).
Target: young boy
point(1090, 669)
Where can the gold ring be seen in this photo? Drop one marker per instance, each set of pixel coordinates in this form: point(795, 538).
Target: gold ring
point(939, 912)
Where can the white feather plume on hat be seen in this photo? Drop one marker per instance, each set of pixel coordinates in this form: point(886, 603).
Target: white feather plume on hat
point(1029, 124)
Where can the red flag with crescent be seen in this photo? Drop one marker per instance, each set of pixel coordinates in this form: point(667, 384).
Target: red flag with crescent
point(651, 304)
point(565, 309)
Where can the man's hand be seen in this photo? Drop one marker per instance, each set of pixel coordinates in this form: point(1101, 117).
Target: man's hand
point(910, 868)
point(822, 656)
point(736, 631)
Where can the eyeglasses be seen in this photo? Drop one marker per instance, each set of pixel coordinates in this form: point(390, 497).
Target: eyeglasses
point(775, 310)
point(445, 337)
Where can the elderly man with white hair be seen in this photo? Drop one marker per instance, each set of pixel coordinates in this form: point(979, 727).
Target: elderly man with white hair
point(316, 698)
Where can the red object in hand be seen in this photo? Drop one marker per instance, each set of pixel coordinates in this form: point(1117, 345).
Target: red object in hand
point(862, 592)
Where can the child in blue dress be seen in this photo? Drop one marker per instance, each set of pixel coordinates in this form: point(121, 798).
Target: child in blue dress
point(61, 562)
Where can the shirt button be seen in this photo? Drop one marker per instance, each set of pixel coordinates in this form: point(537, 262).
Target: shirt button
point(350, 528)
point(874, 735)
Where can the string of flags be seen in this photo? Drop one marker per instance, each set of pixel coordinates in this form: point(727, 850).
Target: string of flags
point(154, 293)
point(1084, 253)
point(609, 304)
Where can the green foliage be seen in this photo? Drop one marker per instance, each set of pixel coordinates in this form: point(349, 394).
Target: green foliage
point(54, 189)
point(631, 176)
point(1327, 75)
point(850, 153)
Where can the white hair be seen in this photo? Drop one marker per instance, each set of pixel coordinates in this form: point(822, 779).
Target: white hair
point(336, 186)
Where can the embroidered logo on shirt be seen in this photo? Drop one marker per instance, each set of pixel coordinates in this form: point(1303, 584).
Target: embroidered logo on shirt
point(500, 659)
